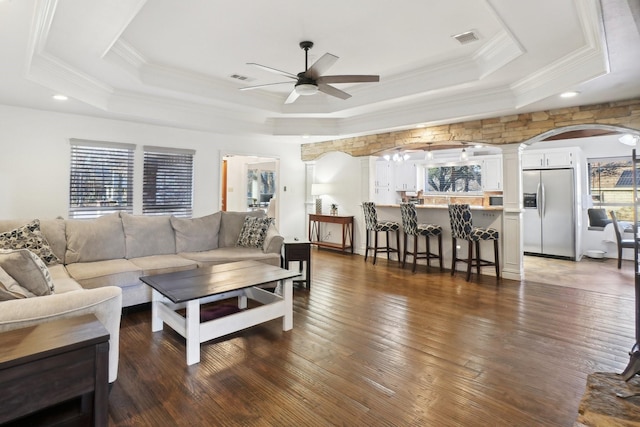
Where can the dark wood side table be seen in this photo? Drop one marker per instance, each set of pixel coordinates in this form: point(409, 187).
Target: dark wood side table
point(55, 373)
point(347, 231)
point(298, 250)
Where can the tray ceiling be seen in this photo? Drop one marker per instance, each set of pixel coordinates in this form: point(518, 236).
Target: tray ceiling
point(173, 63)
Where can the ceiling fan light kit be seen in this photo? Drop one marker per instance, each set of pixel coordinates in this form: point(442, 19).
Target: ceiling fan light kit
point(306, 89)
point(311, 81)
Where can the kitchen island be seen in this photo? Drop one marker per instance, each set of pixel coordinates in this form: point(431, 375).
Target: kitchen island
point(483, 216)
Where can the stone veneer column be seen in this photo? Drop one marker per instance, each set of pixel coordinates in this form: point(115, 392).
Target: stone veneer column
point(512, 246)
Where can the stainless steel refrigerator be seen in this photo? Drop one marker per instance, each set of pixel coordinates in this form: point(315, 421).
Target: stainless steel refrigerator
point(549, 216)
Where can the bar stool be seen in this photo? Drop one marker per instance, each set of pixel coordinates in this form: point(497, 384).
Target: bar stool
point(411, 227)
point(373, 225)
point(462, 228)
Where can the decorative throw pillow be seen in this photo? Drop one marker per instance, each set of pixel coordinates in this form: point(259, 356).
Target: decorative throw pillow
point(29, 237)
point(28, 270)
point(253, 232)
point(10, 289)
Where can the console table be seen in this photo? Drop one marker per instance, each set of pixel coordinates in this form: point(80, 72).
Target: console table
point(55, 373)
point(347, 231)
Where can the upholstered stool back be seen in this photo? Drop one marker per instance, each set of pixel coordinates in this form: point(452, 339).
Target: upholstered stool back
point(370, 215)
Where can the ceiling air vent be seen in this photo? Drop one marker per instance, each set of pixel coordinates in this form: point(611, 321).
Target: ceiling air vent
point(240, 77)
point(466, 37)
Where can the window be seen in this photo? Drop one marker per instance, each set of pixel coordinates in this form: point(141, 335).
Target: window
point(168, 181)
point(611, 185)
point(101, 178)
point(453, 179)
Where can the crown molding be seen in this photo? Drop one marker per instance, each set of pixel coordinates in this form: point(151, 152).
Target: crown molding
point(589, 61)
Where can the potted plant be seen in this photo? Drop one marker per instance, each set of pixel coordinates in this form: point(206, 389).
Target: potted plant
point(334, 209)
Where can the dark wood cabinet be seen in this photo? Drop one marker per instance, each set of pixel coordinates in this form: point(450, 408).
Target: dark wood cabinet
point(55, 373)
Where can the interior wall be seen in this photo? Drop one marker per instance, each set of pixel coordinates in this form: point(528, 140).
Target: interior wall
point(343, 173)
point(34, 162)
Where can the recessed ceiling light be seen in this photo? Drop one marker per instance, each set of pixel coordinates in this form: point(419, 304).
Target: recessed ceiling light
point(569, 94)
point(60, 97)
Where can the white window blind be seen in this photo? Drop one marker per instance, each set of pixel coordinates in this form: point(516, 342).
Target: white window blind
point(168, 181)
point(101, 178)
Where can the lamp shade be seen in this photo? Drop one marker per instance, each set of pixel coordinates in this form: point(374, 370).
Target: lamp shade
point(320, 189)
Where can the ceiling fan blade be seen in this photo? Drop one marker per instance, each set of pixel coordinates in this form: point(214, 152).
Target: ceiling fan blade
point(265, 85)
point(321, 65)
point(274, 70)
point(348, 79)
point(333, 91)
point(292, 97)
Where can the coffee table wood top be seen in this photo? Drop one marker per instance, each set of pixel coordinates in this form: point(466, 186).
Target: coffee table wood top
point(182, 286)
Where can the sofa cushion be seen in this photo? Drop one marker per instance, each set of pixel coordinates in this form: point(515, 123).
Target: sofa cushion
point(196, 234)
point(225, 255)
point(95, 240)
point(61, 279)
point(10, 288)
point(147, 235)
point(28, 270)
point(54, 232)
point(113, 272)
point(230, 225)
point(29, 237)
point(160, 264)
point(253, 232)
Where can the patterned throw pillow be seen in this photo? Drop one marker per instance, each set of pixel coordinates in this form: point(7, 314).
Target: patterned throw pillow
point(29, 237)
point(253, 232)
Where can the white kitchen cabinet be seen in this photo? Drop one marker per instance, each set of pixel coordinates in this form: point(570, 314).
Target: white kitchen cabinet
point(384, 192)
point(383, 174)
point(492, 173)
point(562, 158)
point(406, 176)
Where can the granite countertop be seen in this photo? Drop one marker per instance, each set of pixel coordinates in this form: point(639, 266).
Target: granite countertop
point(479, 208)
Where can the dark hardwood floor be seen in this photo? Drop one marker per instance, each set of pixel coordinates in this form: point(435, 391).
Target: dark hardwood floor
point(380, 346)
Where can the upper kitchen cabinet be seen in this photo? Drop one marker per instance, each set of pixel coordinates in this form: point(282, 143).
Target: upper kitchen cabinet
point(560, 158)
point(384, 192)
point(406, 176)
point(492, 173)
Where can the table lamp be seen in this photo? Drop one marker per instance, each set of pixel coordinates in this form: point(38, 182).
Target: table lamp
point(319, 190)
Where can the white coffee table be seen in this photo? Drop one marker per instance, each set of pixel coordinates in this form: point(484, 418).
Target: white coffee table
point(189, 289)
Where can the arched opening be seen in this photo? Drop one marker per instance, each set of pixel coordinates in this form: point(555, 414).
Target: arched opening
point(603, 150)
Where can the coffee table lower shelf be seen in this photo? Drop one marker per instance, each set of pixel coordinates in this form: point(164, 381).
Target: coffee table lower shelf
point(196, 332)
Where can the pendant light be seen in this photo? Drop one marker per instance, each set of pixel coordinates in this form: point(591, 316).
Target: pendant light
point(429, 155)
point(464, 156)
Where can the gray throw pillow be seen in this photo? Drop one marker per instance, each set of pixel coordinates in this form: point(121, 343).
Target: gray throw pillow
point(29, 237)
point(10, 288)
point(196, 234)
point(253, 232)
point(28, 270)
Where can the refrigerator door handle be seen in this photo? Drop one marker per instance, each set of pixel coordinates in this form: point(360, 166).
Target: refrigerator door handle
point(544, 204)
point(539, 200)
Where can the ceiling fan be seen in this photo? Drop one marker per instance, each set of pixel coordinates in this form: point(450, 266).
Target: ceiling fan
point(311, 80)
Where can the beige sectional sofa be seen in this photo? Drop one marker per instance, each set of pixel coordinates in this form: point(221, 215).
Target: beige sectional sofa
point(101, 261)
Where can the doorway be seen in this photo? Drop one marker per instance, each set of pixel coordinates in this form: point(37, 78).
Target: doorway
point(250, 183)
